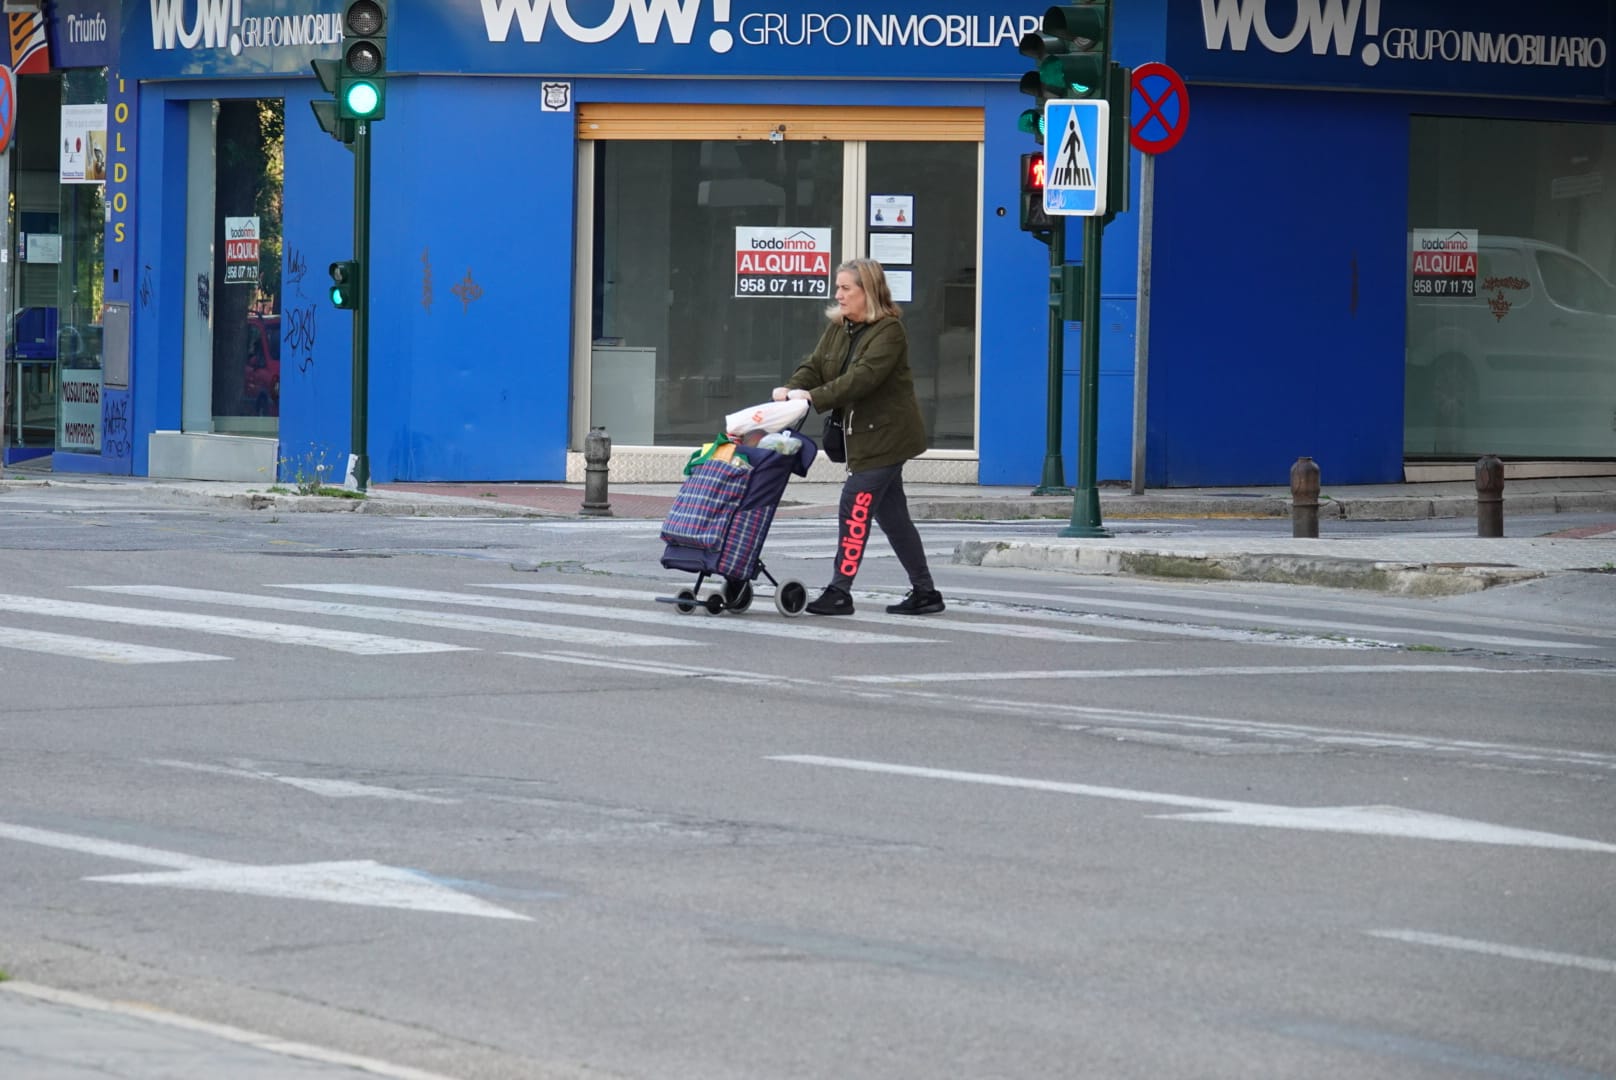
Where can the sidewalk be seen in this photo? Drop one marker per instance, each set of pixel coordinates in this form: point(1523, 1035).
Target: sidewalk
point(1453, 561)
point(50, 1034)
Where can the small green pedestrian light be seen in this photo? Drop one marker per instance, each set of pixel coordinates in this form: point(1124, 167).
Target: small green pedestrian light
point(345, 284)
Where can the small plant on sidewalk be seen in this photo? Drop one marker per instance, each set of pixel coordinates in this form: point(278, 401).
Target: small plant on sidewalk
point(311, 471)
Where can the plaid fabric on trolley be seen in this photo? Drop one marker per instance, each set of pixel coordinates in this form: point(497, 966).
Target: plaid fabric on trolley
point(738, 560)
point(705, 503)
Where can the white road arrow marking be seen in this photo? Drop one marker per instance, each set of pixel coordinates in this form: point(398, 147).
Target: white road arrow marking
point(365, 883)
point(1390, 821)
point(1492, 948)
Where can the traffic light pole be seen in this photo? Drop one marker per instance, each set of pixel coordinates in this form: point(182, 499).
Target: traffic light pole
point(360, 437)
point(1054, 478)
point(1086, 502)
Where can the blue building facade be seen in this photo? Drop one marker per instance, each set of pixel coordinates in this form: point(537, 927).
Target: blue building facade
point(575, 204)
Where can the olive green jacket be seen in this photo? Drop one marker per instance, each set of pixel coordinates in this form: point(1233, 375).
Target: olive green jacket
point(876, 395)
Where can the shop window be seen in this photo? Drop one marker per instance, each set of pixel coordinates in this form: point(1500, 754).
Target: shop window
point(1511, 329)
point(53, 332)
point(675, 347)
point(680, 334)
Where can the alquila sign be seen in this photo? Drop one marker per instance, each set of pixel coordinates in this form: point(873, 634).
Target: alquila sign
point(1464, 46)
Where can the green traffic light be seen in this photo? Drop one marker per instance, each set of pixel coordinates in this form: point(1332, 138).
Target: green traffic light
point(362, 99)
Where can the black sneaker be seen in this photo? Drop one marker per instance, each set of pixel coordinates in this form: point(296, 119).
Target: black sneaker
point(929, 602)
point(833, 601)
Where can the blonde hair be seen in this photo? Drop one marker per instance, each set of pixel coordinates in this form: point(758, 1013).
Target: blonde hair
point(877, 294)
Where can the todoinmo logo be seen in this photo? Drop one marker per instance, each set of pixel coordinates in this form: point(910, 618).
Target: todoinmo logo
point(218, 24)
point(1336, 25)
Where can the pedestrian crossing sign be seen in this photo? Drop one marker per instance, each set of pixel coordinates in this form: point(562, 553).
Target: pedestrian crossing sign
point(1077, 136)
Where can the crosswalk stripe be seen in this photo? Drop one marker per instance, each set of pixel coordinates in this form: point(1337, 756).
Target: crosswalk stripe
point(1196, 673)
point(83, 648)
point(442, 620)
point(996, 629)
point(648, 667)
point(251, 629)
point(1323, 623)
point(797, 629)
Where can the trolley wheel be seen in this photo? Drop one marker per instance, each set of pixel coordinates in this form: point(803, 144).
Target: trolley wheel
point(791, 598)
point(714, 604)
point(685, 600)
point(737, 595)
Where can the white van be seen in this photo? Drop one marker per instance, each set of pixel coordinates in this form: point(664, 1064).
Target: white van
point(1525, 368)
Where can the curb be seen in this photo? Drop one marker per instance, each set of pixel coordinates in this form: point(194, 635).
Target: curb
point(1403, 579)
point(1127, 507)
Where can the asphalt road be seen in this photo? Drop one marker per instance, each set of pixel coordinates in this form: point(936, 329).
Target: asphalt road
point(459, 794)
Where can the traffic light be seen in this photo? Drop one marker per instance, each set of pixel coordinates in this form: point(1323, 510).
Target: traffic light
point(1033, 216)
point(1072, 50)
point(362, 76)
point(345, 284)
point(326, 111)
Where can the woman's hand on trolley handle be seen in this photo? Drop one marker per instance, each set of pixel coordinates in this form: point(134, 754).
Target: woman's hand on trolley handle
point(782, 394)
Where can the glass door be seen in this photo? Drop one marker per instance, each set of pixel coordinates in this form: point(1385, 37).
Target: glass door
point(922, 227)
point(233, 267)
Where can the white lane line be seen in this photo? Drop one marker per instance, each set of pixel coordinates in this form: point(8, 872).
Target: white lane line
point(1194, 673)
point(441, 620)
point(1323, 624)
point(766, 625)
point(1383, 821)
point(1037, 633)
point(278, 633)
point(1513, 952)
point(149, 1014)
point(83, 648)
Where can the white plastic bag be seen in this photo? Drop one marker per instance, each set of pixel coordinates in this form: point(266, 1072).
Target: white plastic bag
point(770, 416)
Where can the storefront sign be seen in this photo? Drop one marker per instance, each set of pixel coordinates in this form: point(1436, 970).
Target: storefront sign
point(84, 144)
point(78, 423)
point(241, 251)
point(83, 33)
point(924, 39)
point(1443, 262)
point(785, 263)
point(1495, 47)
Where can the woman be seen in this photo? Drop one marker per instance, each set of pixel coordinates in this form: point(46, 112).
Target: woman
point(861, 369)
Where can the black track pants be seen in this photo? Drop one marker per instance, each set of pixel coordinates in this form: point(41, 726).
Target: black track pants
point(876, 495)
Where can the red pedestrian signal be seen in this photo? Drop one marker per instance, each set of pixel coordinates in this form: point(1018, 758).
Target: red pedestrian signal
point(1033, 217)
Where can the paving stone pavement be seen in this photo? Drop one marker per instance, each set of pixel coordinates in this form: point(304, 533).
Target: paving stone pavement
point(49, 1034)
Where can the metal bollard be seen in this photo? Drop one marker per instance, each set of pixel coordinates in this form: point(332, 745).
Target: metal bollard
point(597, 454)
point(1305, 498)
point(1489, 496)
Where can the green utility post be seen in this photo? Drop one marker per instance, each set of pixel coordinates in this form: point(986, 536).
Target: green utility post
point(1071, 48)
point(358, 83)
point(1086, 501)
point(1054, 476)
point(360, 437)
